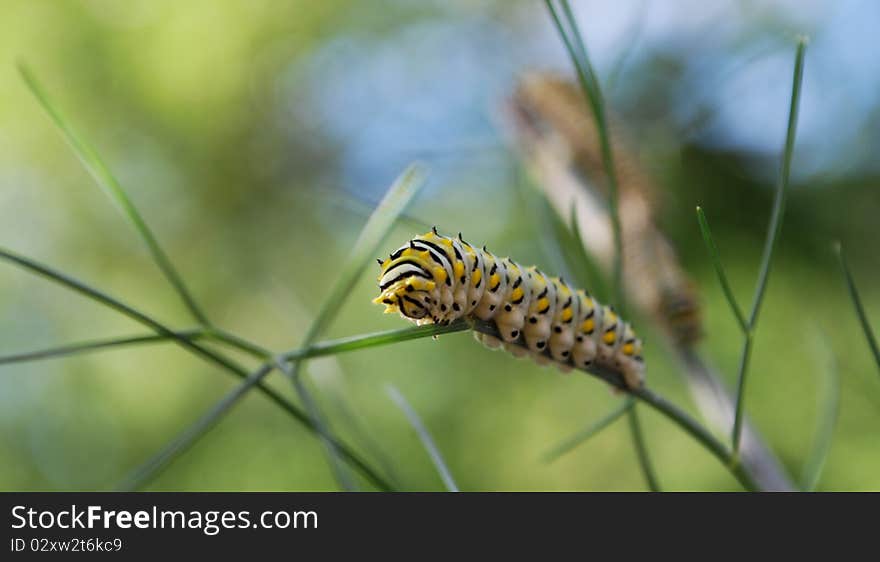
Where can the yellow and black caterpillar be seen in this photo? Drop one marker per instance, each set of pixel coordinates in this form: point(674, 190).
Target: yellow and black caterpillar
point(435, 279)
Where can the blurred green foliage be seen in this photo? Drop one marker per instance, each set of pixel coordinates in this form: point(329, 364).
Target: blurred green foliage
point(226, 123)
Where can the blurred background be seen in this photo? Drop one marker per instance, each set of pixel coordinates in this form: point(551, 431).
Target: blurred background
point(255, 137)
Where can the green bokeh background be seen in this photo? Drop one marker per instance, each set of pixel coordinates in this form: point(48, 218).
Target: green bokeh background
point(255, 137)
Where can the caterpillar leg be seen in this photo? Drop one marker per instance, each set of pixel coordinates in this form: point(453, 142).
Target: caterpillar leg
point(516, 350)
point(489, 341)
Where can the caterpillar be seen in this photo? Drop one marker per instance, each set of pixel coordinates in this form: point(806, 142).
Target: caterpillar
point(434, 279)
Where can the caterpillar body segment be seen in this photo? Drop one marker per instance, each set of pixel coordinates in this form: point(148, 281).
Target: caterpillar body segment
point(434, 279)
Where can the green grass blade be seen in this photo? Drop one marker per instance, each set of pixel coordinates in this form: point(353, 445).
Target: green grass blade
point(778, 212)
point(211, 356)
point(719, 269)
point(635, 428)
point(97, 345)
point(366, 247)
point(362, 434)
point(337, 466)
point(829, 406)
point(857, 304)
point(427, 441)
point(773, 231)
point(109, 184)
point(586, 433)
point(149, 470)
point(379, 224)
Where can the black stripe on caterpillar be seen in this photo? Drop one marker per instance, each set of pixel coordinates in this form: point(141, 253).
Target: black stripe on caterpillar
point(434, 279)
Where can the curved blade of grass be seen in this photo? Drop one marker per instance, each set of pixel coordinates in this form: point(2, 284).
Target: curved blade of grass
point(109, 184)
point(635, 428)
point(586, 433)
point(149, 470)
point(416, 422)
point(365, 248)
point(380, 223)
point(773, 230)
point(363, 435)
point(211, 356)
point(857, 304)
point(829, 406)
point(719, 270)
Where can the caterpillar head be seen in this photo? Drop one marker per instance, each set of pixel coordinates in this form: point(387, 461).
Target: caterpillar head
point(407, 286)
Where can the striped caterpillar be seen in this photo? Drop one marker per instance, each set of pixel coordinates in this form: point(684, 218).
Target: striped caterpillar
point(434, 279)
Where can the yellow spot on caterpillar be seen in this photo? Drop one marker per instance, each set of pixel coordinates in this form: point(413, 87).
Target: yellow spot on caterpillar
point(476, 276)
point(494, 281)
point(543, 304)
point(446, 242)
point(567, 314)
point(439, 274)
point(628, 349)
point(609, 337)
point(459, 269)
point(588, 325)
point(516, 294)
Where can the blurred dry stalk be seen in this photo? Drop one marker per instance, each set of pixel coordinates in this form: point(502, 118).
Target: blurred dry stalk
point(548, 122)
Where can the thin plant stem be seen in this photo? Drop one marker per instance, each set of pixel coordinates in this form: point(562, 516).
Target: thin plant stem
point(829, 407)
point(773, 230)
point(642, 450)
point(700, 434)
point(141, 476)
point(111, 186)
point(857, 304)
point(424, 436)
point(719, 270)
point(339, 470)
point(589, 431)
point(237, 342)
point(96, 345)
